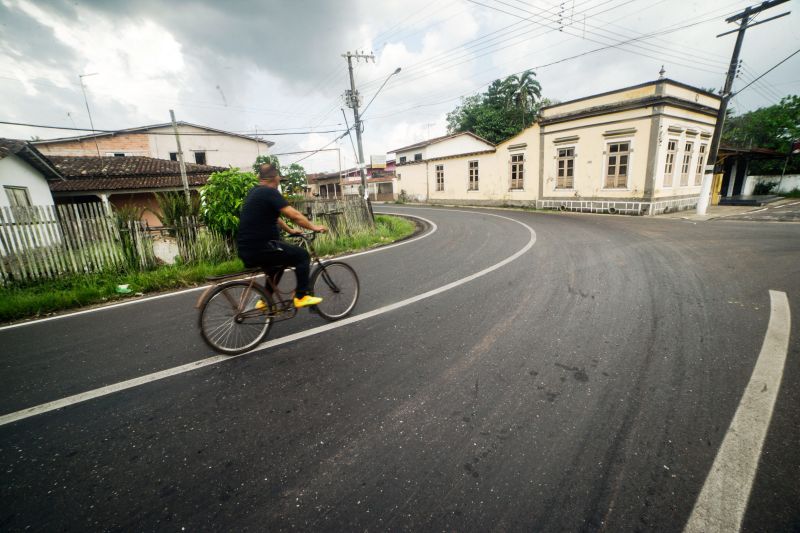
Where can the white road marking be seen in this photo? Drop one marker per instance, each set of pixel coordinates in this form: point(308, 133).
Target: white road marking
point(433, 230)
point(722, 502)
point(131, 383)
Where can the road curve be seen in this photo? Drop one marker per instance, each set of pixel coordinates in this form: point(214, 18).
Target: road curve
point(586, 385)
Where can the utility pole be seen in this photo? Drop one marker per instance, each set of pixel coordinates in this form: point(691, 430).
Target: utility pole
point(180, 159)
point(86, 101)
point(744, 17)
point(352, 97)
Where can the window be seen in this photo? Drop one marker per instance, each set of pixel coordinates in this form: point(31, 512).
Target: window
point(417, 157)
point(669, 166)
point(19, 199)
point(439, 177)
point(173, 156)
point(617, 165)
point(701, 161)
point(18, 196)
point(687, 161)
point(473, 176)
point(200, 158)
point(517, 171)
point(566, 168)
point(402, 159)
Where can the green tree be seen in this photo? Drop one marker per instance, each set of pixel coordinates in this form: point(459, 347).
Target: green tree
point(294, 179)
point(507, 107)
point(222, 199)
point(271, 159)
point(522, 92)
point(772, 127)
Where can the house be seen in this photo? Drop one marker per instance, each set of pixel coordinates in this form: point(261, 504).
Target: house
point(635, 150)
point(201, 145)
point(123, 181)
point(25, 175)
point(381, 181)
point(457, 143)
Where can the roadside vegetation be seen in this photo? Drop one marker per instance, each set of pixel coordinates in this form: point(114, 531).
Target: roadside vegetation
point(21, 300)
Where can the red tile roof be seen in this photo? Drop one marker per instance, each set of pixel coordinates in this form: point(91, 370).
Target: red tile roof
point(125, 173)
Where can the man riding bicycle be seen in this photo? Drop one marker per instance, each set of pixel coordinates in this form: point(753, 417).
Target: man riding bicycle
point(259, 241)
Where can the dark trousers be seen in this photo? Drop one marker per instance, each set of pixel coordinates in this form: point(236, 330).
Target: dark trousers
point(289, 256)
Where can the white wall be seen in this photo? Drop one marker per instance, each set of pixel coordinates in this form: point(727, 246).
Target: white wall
point(789, 183)
point(221, 150)
point(16, 172)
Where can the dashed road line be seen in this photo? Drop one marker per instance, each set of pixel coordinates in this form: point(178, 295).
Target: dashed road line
point(722, 502)
point(213, 360)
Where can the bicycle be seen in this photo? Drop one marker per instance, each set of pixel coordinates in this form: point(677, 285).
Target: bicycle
point(237, 314)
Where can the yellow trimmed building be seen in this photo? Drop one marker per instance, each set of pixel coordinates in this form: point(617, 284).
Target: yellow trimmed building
point(638, 150)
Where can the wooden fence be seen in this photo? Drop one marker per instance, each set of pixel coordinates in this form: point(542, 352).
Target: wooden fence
point(346, 215)
point(49, 241)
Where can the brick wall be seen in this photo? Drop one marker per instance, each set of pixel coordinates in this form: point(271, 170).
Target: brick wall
point(129, 143)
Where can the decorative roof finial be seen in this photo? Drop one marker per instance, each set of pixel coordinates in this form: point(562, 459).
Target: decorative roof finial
point(661, 73)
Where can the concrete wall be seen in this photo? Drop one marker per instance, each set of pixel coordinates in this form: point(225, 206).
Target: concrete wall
point(16, 172)
point(127, 143)
point(789, 183)
point(683, 127)
point(591, 143)
point(221, 150)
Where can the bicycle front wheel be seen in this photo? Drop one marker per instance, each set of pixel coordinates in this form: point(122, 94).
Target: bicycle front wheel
point(236, 317)
point(337, 284)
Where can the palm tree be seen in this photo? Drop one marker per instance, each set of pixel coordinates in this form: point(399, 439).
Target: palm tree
point(522, 91)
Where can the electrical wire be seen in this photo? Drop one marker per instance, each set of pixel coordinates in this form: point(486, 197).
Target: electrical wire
point(127, 132)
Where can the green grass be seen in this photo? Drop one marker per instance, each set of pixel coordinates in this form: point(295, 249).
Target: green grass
point(387, 229)
point(37, 299)
point(794, 193)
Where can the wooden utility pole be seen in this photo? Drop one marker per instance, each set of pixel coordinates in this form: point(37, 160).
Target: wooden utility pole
point(180, 159)
point(744, 18)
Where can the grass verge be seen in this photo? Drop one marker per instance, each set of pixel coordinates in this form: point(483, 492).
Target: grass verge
point(37, 299)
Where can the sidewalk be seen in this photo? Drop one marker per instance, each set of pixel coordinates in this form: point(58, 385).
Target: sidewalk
point(722, 211)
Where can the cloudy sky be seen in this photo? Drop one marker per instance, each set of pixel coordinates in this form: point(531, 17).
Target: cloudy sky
point(276, 66)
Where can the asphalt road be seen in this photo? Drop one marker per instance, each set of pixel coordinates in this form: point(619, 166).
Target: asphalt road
point(586, 385)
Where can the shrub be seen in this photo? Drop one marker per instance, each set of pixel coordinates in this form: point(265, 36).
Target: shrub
point(222, 198)
point(763, 188)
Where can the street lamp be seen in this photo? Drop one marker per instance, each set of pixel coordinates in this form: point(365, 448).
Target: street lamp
point(358, 126)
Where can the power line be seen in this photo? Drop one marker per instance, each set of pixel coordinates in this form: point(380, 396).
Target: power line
point(776, 65)
point(44, 126)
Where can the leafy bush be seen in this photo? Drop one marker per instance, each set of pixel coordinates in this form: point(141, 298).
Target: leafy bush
point(222, 198)
point(173, 207)
point(763, 188)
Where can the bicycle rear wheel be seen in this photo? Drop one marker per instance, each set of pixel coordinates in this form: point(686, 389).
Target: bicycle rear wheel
point(337, 284)
point(231, 319)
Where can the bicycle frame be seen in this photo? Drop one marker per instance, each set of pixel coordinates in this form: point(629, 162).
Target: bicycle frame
point(283, 304)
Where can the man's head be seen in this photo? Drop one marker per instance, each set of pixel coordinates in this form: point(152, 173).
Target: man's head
point(269, 175)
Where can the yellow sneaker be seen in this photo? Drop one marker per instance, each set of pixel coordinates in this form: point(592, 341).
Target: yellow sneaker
point(260, 305)
point(306, 300)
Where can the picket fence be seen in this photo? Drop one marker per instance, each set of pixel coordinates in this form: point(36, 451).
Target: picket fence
point(40, 242)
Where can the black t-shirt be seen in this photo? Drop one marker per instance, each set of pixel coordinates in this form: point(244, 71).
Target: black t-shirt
point(258, 222)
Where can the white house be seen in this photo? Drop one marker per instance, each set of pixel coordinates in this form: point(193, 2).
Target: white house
point(24, 175)
point(455, 144)
point(636, 150)
point(201, 145)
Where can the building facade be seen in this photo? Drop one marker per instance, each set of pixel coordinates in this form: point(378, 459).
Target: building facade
point(637, 150)
point(201, 145)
